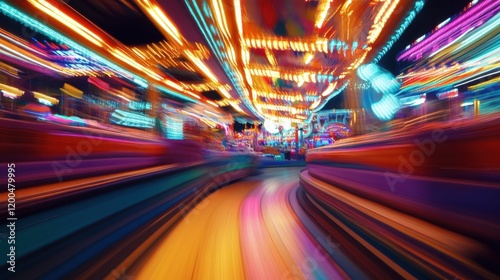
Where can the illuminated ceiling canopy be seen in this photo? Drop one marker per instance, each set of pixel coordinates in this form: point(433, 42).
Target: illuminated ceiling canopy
point(280, 60)
point(292, 56)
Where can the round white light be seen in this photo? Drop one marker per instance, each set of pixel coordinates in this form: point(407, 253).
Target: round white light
point(287, 125)
point(271, 127)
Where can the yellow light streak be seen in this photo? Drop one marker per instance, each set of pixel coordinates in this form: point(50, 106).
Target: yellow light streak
point(68, 21)
point(161, 19)
point(329, 89)
point(201, 66)
point(212, 103)
point(173, 85)
point(123, 57)
point(224, 92)
point(11, 89)
point(235, 106)
point(308, 58)
point(323, 7)
point(46, 97)
point(193, 94)
point(221, 17)
point(345, 6)
point(380, 19)
point(237, 13)
point(271, 58)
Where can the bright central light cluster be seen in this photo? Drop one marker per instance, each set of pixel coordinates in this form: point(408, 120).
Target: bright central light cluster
point(275, 127)
point(288, 63)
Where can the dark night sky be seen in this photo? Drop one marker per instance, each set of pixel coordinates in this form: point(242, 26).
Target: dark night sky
point(433, 13)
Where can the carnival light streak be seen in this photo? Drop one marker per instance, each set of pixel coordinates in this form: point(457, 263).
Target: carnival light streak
point(46, 30)
point(55, 13)
point(217, 41)
point(123, 54)
point(464, 49)
point(170, 31)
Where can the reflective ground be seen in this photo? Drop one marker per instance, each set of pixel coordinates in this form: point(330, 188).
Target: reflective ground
point(248, 229)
